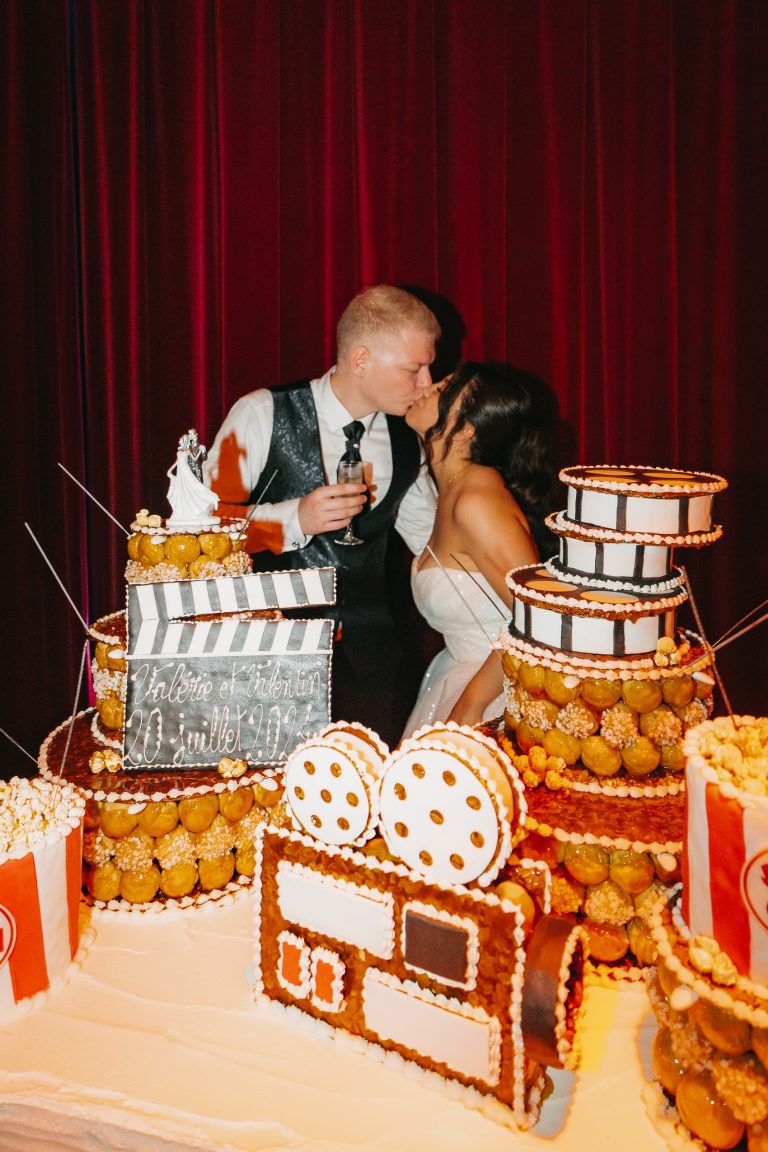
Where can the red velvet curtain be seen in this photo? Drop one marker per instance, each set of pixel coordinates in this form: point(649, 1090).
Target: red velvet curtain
point(192, 190)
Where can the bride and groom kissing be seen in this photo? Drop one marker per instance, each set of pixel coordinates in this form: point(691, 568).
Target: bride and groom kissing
point(462, 470)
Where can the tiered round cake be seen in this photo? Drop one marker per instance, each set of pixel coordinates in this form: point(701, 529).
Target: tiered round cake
point(710, 989)
point(600, 690)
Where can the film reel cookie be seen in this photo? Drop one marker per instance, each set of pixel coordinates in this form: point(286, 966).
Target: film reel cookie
point(450, 805)
point(331, 784)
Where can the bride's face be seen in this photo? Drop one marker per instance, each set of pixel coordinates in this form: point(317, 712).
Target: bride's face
point(422, 415)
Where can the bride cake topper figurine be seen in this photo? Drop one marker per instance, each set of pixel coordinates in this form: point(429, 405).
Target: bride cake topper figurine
point(191, 501)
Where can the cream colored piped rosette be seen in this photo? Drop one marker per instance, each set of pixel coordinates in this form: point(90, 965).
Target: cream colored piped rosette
point(631, 479)
point(532, 583)
point(331, 784)
point(561, 524)
point(451, 805)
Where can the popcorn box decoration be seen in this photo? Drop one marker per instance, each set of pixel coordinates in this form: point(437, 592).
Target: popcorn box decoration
point(40, 876)
point(725, 860)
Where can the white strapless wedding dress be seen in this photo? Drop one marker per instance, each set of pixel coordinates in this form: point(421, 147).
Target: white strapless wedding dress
point(466, 645)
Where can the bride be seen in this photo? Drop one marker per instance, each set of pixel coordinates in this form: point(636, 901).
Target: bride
point(487, 436)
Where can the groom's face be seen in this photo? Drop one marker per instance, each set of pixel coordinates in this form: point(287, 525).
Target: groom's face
point(397, 370)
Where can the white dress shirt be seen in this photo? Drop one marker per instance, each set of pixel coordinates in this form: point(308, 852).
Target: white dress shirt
point(250, 421)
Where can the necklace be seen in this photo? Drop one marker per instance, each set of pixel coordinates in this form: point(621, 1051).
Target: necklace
point(450, 480)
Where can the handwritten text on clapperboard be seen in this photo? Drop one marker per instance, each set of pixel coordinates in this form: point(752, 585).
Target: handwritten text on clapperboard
point(198, 690)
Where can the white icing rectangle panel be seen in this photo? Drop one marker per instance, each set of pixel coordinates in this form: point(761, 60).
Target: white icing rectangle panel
point(545, 626)
point(581, 555)
point(404, 1014)
point(598, 508)
point(655, 562)
point(641, 635)
point(351, 913)
point(645, 515)
point(700, 514)
point(619, 560)
point(592, 634)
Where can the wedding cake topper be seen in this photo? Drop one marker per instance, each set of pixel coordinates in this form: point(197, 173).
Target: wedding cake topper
point(192, 502)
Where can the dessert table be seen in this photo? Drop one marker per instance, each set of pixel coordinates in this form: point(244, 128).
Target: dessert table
point(154, 1042)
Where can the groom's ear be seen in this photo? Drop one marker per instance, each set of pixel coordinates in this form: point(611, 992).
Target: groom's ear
point(359, 359)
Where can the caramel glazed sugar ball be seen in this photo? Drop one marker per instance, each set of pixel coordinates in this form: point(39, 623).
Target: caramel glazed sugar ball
point(714, 1065)
point(633, 726)
point(175, 848)
point(612, 891)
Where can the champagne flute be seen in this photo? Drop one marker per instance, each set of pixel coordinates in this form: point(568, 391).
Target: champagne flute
point(350, 472)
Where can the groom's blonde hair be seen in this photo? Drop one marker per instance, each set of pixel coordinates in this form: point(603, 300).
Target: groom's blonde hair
point(382, 309)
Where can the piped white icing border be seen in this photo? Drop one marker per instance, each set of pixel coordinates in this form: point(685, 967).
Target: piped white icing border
point(562, 525)
point(610, 584)
point(701, 482)
point(322, 955)
point(389, 987)
point(286, 939)
point(619, 668)
point(618, 842)
point(637, 606)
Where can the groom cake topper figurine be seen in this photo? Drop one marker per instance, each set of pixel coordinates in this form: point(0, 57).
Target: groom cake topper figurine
point(192, 502)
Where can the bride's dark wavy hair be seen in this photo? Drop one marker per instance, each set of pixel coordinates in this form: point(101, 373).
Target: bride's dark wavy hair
point(513, 416)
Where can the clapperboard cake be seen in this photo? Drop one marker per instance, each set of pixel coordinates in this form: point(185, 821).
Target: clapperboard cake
point(601, 688)
point(203, 687)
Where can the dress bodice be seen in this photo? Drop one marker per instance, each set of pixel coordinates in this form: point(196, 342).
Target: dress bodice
point(448, 612)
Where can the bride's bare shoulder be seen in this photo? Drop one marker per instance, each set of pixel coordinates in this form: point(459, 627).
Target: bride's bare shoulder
point(483, 488)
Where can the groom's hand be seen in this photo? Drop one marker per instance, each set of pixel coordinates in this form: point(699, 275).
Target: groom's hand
point(330, 508)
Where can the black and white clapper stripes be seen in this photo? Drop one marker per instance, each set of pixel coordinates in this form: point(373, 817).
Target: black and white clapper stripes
point(199, 689)
point(156, 624)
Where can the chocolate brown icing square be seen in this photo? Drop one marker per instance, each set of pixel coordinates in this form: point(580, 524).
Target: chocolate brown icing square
point(436, 947)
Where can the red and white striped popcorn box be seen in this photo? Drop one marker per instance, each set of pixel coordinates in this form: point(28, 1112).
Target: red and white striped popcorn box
point(41, 833)
point(725, 858)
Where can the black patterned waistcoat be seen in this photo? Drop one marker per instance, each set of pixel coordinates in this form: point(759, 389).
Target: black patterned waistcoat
point(363, 596)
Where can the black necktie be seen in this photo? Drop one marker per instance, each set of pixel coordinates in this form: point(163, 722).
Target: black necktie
point(353, 432)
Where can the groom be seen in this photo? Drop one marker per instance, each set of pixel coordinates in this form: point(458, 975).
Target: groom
point(296, 434)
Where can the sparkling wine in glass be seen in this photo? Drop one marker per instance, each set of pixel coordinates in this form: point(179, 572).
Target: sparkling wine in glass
point(349, 472)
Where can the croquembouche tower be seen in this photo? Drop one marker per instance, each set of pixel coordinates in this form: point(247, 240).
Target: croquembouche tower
point(601, 688)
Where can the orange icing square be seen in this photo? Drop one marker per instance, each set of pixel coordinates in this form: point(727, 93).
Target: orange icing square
point(324, 975)
point(290, 964)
